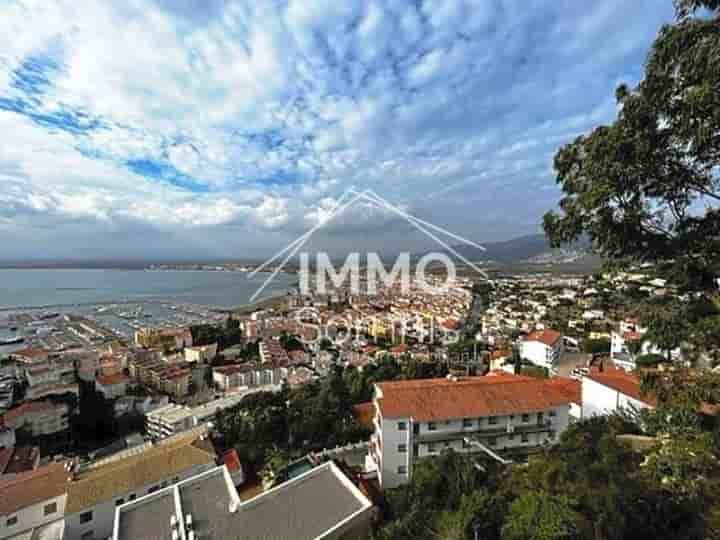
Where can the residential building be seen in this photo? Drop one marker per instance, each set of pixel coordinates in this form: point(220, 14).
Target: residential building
point(173, 418)
point(39, 418)
point(164, 338)
point(96, 491)
point(420, 418)
point(321, 503)
point(543, 348)
point(612, 390)
point(32, 504)
point(112, 386)
point(202, 354)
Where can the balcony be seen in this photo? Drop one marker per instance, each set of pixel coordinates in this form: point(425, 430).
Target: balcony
point(485, 431)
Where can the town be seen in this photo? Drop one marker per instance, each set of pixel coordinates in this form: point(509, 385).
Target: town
point(500, 367)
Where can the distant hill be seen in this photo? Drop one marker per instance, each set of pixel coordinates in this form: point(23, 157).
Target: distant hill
point(532, 247)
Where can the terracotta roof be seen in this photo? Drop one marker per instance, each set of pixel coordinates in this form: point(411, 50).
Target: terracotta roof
point(107, 380)
point(31, 352)
point(621, 381)
point(28, 408)
point(33, 487)
point(548, 337)
point(159, 463)
point(468, 397)
point(572, 388)
point(632, 336)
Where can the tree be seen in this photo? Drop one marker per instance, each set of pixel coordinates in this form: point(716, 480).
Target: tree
point(541, 516)
point(646, 187)
point(667, 324)
point(596, 346)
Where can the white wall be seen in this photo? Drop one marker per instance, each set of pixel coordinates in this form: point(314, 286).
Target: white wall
point(600, 400)
point(32, 516)
point(104, 513)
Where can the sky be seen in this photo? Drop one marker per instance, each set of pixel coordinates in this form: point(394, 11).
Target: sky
point(225, 129)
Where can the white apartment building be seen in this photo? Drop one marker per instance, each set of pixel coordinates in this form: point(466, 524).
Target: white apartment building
point(421, 418)
point(542, 347)
point(201, 354)
point(32, 503)
point(248, 375)
point(173, 418)
point(609, 391)
point(39, 418)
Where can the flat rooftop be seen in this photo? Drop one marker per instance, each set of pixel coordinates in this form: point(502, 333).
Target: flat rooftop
point(304, 508)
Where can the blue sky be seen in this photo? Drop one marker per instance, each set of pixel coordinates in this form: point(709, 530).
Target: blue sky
point(223, 129)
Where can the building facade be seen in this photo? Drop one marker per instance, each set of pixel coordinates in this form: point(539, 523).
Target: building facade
point(543, 348)
point(419, 419)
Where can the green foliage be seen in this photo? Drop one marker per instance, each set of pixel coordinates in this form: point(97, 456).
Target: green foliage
point(637, 187)
point(596, 346)
point(225, 336)
point(649, 360)
point(541, 516)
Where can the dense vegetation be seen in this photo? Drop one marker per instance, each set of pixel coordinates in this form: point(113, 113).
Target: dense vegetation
point(275, 427)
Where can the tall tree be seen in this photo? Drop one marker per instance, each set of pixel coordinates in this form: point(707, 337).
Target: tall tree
point(647, 186)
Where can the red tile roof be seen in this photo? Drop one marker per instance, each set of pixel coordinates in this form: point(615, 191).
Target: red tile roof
point(548, 337)
point(468, 397)
point(108, 380)
point(33, 487)
point(26, 408)
point(232, 461)
point(621, 381)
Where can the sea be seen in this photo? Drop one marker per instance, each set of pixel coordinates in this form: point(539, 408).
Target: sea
point(36, 288)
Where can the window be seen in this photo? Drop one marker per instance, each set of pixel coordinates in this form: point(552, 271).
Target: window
point(552, 413)
point(86, 517)
point(132, 497)
point(11, 521)
point(447, 444)
point(467, 422)
point(492, 441)
point(50, 509)
point(402, 469)
point(402, 426)
point(431, 447)
point(402, 448)
point(176, 480)
point(492, 420)
point(525, 437)
point(540, 417)
point(432, 426)
point(164, 484)
point(511, 436)
point(119, 502)
point(525, 417)
point(88, 536)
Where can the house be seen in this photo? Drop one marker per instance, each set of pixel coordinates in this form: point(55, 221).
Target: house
point(112, 386)
point(234, 376)
point(542, 347)
point(612, 390)
point(321, 503)
point(39, 418)
point(97, 490)
point(201, 354)
point(420, 418)
point(32, 504)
